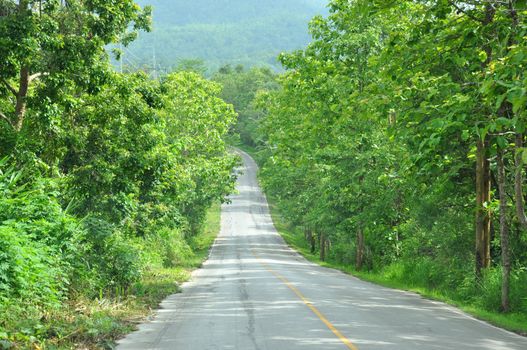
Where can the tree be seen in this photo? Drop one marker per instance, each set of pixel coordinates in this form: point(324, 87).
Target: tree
point(56, 44)
point(241, 88)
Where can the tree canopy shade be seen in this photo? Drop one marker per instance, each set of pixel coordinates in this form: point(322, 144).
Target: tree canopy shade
point(397, 140)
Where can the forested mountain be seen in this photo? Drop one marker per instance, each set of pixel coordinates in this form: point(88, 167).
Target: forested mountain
point(248, 32)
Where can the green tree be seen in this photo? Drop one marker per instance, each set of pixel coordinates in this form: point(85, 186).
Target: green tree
point(240, 88)
point(47, 45)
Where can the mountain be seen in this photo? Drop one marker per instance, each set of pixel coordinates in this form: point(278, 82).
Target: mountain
point(248, 32)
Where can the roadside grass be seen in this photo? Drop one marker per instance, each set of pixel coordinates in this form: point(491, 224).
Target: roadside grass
point(202, 243)
point(294, 237)
point(96, 324)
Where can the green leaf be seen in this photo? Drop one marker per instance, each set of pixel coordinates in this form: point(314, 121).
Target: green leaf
point(502, 142)
point(486, 86)
point(518, 98)
point(524, 155)
point(499, 101)
point(482, 55)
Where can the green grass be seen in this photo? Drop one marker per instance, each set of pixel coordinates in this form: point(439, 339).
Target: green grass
point(294, 237)
point(96, 324)
point(201, 244)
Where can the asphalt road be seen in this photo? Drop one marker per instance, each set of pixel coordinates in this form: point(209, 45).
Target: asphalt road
point(256, 293)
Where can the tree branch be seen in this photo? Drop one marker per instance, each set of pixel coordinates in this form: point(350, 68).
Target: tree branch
point(4, 117)
point(36, 76)
point(465, 12)
point(9, 87)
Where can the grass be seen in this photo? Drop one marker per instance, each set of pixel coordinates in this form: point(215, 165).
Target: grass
point(294, 237)
point(201, 244)
point(96, 324)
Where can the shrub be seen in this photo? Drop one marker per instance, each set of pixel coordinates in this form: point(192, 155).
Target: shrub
point(37, 240)
point(167, 248)
point(29, 270)
point(424, 271)
point(114, 260)
point(489, 296)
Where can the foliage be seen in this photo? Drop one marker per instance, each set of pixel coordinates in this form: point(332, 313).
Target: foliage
point(96, 323)
point(241, 87)
point(47, 45)
point(38, 241)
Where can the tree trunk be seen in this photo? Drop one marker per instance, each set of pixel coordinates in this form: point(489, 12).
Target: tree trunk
point(482, 214)
point(312, 241)
point(359, 258)
point(21, 95)
point(504, 233)
point(518, 181)
point(483, 174)
point(322, 247)
point(21, 98)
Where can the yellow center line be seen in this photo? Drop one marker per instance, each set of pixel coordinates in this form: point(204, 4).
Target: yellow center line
point(308, 303)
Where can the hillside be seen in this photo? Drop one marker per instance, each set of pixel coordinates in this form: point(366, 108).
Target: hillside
point(249, 32)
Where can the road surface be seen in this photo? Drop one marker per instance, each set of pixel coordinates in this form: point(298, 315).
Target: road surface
point(256, 293)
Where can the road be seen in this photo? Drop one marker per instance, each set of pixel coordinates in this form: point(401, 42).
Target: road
point(256, 293)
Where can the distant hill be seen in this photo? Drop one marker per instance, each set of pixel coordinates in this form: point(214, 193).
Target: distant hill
point(248, 32)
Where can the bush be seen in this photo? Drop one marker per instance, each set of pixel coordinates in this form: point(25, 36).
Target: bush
point(343, 253)
point(489, 296)
point(37, 240)
point(490, 289)
point(166, 248)
point(115, 260)
point(121, 264)
point(424, 271)
point(29, 270)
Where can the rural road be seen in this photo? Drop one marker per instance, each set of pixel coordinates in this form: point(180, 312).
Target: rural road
point(256, 293)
